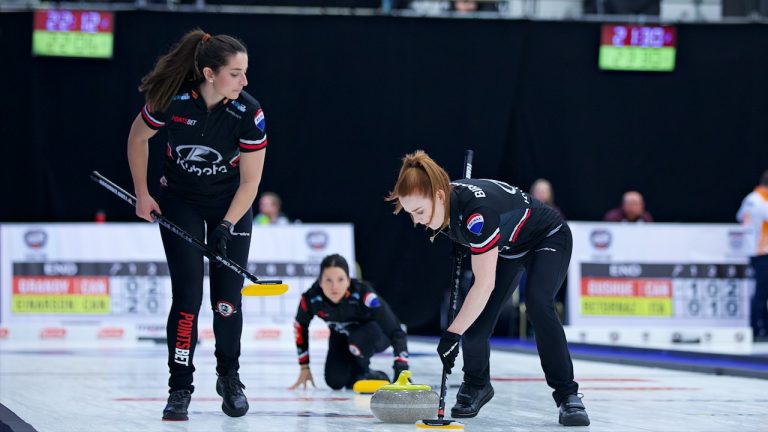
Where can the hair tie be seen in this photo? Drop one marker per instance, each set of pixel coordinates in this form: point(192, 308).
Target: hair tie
point(206, 37)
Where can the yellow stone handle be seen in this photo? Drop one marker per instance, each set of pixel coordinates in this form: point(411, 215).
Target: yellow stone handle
point(403, 384)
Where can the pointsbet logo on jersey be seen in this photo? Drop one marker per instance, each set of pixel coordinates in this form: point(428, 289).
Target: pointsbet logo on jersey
point(475, 223)
point(183, 120)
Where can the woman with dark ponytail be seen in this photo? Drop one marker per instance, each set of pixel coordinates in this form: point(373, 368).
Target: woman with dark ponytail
point(214, 157)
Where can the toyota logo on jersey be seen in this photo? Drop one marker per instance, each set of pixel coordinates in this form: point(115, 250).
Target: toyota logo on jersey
point(475, 223)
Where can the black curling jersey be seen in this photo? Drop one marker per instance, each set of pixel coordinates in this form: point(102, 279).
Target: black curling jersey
point(359, 305)
point(488, 214)
point(203, 151)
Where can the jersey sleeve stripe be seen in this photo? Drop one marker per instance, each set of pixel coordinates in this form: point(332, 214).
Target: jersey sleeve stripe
point(253, 144)
point(494, 242)
point(258, 141)
point(488, 240)
point(519, 225)
point(148, 117)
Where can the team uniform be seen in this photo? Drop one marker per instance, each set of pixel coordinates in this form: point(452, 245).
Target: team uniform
point(200, 177)
point(530, 236)
point(753, 213)
point(361, 325)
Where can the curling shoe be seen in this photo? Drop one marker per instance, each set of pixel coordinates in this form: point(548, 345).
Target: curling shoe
point(573, 412)
point(470, 399)
point(373, 374)
point(176, 408)
point(229, 387)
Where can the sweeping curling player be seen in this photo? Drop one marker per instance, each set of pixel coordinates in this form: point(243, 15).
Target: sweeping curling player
point(258, 288)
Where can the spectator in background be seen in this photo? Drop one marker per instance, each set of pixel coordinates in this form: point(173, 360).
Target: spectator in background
point(754, 215)
point(632, 210)
point(541, 189)
point(473, 6)
point(270, 213)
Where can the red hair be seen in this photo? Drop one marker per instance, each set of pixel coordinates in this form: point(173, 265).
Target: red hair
point(422, 175)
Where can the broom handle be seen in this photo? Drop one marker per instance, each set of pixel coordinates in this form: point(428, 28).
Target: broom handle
point(213, 256)
point(458, 256)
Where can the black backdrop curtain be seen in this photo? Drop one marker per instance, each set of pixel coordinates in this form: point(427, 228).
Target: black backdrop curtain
point(346, 97)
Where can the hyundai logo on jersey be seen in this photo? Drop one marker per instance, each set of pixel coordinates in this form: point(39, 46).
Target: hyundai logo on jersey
point(475, 223)
point(371, 300)
point(259, 120)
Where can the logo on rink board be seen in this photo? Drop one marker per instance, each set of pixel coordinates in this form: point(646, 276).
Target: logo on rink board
point(601, 239)
point(36, 239)
point(317, 240)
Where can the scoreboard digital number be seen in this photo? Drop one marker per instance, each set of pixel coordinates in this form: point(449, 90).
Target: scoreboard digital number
point(95, 288)
point(677, 292)
point(73, 33)
point(637, 48)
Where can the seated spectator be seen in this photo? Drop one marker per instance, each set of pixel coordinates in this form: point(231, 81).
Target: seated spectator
point(269, 210)
point(541, 190)
point(632, 210)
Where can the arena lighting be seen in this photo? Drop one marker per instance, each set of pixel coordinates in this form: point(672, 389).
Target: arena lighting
point(638, 48)
point(73, 33)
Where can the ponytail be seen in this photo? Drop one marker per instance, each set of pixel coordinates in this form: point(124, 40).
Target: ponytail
point(422, 175)
point(185, 63)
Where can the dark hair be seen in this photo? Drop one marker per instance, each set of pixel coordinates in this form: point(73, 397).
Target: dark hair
point(334, 260)
point(185, 62)
point(764, 178)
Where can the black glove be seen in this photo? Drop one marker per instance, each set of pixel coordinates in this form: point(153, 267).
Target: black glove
point(398, 367)
point(448, 349)
point(219, 238)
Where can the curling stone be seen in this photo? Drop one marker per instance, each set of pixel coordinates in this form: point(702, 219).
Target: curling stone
point(368, 386)
point(403, 402)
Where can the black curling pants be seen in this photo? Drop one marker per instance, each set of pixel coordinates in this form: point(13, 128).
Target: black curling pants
point(350, 354)
point(186, 265)
point(546, 265)
point(759, 313)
